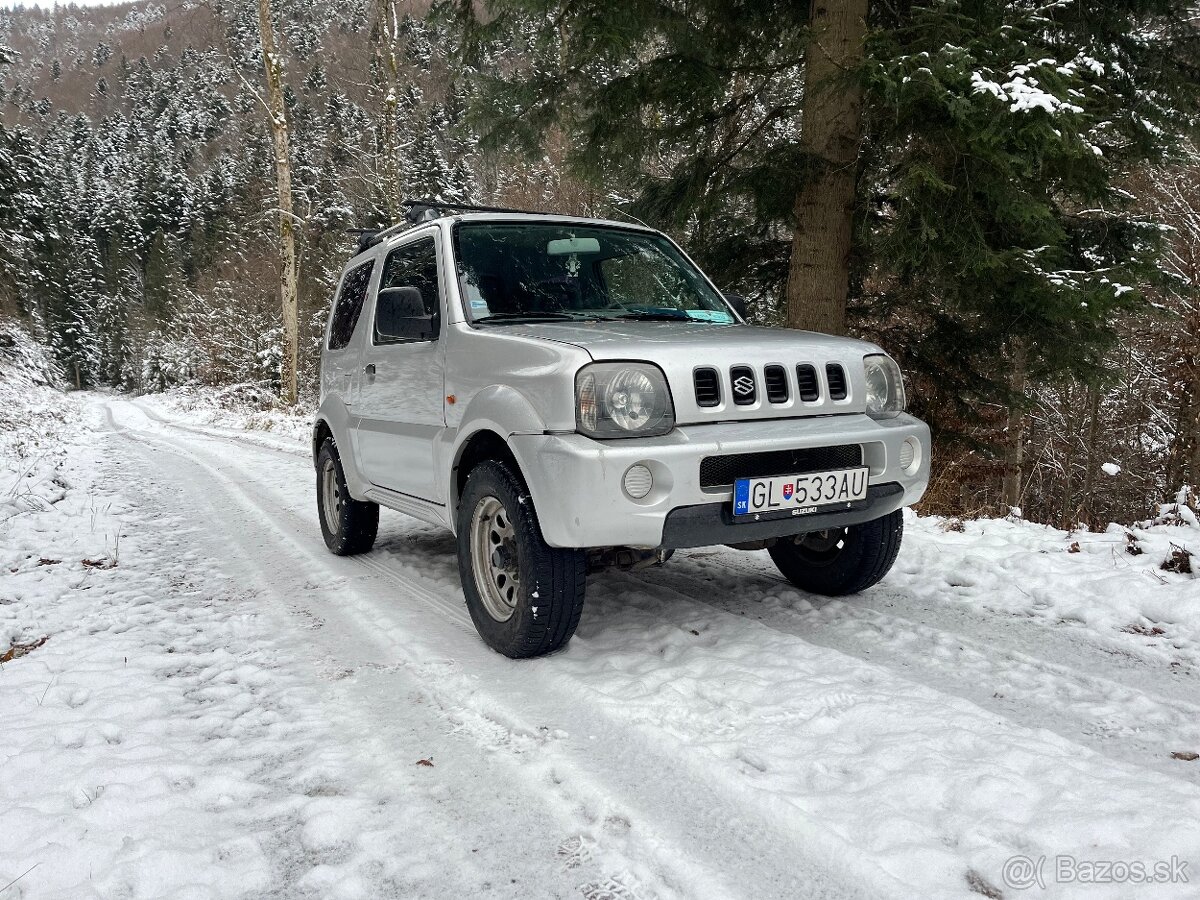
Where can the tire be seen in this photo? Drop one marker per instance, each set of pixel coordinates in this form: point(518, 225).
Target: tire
point(349, 526)
point(841, 561)
point(525, 597)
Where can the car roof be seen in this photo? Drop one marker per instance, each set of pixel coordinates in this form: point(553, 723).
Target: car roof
point(543, 217)
point(389, 236)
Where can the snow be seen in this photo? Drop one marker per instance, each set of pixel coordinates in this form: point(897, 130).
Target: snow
point(227, 710)
point(1022, 91)
point(1110, 468)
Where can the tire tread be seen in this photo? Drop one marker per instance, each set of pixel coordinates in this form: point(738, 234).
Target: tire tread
point(869, 555)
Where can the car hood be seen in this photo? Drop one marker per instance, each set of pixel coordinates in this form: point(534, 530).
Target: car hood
point(645, 340)
point(679, 348)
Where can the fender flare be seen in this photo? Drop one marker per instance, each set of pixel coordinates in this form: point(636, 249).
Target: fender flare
point(501, 410)
point(334, 416)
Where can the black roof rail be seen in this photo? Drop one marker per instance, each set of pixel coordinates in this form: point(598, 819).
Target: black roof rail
point(369, 237)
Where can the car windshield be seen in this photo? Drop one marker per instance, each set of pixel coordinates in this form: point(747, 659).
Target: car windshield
point(510, 272)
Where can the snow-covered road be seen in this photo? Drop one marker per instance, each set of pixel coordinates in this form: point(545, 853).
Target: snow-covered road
point(710, 731)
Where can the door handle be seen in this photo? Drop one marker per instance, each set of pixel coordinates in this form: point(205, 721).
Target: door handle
point(369, 371)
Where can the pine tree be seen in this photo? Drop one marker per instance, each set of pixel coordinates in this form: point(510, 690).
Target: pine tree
point(1001, 145)
point(428, 173)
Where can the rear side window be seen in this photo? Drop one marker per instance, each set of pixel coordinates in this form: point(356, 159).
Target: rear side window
point(349, 305)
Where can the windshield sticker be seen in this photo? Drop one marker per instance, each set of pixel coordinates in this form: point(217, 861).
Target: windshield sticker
point(718, 316)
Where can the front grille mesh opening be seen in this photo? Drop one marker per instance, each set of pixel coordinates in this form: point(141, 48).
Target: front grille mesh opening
point(837, 381)
point(806, 380)
point(720, 472)
point(775, 380)
point(708, 387)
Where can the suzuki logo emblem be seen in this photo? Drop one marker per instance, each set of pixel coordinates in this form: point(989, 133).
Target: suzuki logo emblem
point(743, 385)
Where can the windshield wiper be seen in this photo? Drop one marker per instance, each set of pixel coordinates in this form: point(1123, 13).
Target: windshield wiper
point(503, 317)
point(659, 317)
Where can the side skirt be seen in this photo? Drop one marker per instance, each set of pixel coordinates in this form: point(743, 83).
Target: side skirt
point(426, 511)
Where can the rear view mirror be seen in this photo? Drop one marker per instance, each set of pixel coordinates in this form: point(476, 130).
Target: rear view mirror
point(738, 302)
point(400, 316)
point(568, 246)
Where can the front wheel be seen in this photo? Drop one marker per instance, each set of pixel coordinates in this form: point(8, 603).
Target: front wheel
point(525, 597)
point(841, 561)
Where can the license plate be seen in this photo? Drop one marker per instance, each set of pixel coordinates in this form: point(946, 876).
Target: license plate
point(798, 495)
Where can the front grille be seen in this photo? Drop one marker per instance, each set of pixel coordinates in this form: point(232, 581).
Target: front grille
point(743, 385)
point(806, 380)
point(775, 382)
point(708, 387)
point(720, 472)
point(837, 381)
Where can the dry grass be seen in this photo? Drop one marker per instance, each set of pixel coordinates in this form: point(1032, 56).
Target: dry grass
point(16, 651)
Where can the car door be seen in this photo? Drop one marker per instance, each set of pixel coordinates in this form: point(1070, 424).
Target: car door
point(400, 407)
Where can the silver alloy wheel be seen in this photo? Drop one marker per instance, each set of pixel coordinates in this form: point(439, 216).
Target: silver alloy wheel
point(494, 559)
point(331, 496)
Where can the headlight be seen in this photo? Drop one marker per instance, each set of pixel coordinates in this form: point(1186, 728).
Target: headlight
point(885, 387)
point(615, 400)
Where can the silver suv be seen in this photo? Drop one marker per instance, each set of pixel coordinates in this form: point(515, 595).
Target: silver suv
point(567, 395)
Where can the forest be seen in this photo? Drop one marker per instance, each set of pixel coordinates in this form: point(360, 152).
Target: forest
point(1005, 194)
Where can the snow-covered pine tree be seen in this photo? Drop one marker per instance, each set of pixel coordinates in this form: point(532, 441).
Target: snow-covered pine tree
point(1001, 143)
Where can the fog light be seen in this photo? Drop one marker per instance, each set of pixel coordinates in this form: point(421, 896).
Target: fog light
point(910, 455)
point(638, 481)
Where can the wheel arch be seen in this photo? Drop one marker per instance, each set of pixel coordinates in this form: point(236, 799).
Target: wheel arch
point(493, 415)
point(320, 432)
point(481, 445)
point(333, 421)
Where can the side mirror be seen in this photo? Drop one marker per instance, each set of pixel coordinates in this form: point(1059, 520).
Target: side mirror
point(400, 316)
point(738, 302)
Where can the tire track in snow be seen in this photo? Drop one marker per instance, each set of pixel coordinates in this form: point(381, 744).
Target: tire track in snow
point(1127, 722)
point(217, 432)
point(1076, 647)
point(698, 830)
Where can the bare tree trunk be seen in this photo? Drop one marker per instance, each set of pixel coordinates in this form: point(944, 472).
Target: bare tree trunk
point(1191, 473)
point(389, 28)
point(288, 268)
point(1072, 431)
point(831, 129)
point(1014, 432)
point(1089, 472)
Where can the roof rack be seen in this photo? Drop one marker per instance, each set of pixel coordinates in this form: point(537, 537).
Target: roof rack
point(417, 207)
point(369, 237)
point(418, 213)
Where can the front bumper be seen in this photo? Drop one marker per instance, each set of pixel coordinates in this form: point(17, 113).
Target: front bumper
point(576, 482)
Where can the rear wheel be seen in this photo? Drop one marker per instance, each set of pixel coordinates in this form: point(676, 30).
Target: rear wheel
point(841, 561)
point(349, 526)
point(525, 597)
